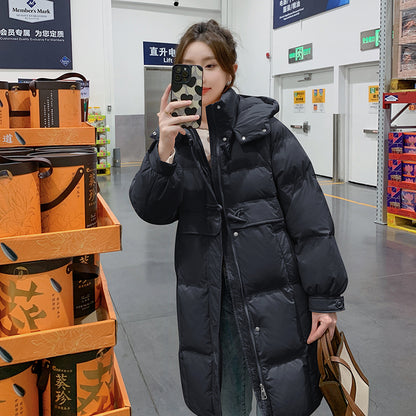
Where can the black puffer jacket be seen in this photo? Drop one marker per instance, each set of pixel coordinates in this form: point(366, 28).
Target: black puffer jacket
point(258, 210)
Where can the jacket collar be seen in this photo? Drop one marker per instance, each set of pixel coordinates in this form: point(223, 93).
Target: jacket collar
point(247, 117)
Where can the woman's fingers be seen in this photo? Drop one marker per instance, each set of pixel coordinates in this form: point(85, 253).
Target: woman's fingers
point(175, 105)
point(164, 101)
point(320, 323)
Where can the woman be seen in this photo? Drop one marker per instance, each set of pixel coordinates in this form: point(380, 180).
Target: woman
point(259, 274)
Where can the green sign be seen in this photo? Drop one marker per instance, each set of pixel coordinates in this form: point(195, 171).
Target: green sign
point(370, 39)
point(300, 53)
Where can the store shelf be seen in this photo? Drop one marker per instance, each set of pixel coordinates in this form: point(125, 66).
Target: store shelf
point(106, 237)
point(69, 340)
point(101, 166)
point(103, 153)
point(62, 136)
point(403, 97)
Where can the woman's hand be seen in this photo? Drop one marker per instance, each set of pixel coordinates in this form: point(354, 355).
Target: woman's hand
point(320, 323)
point(170, 126)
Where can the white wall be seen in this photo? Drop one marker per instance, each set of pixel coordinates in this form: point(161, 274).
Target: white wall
point(137, 21)
point(251, 22)
point(335, 36)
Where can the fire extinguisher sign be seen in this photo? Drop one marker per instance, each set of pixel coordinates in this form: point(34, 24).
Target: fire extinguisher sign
point(35, 34)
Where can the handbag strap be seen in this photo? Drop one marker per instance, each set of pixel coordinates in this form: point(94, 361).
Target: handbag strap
point(351, 404)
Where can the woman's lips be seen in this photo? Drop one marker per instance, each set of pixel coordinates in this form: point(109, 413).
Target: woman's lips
point(205, 90)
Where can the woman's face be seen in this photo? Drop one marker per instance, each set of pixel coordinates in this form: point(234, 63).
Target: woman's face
point(215, 78)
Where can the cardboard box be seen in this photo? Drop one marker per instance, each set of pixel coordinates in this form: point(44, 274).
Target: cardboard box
point(408, 200)
point(407, 26)
point(69, 340)
point(406, 4)
point(123, 406)
point(54, 136)
point(404, 40)
point(106, 237)
point(409, 150)
point(395, 142)
point(395, 170)
point(393, 197)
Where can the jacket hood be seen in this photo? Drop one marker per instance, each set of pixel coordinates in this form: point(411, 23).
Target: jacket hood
point(249, 116)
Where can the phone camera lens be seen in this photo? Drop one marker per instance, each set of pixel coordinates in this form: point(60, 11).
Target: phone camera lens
point(178, 69)
point(178, 78)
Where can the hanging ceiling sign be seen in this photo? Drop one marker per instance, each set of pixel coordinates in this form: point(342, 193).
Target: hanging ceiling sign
point(290, 11)
point(300, 53)
point(35, 34)
point(370, 39)
point(156, 53)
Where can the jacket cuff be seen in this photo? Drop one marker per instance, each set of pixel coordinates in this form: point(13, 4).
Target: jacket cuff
point(326, 305)
point(163, 168)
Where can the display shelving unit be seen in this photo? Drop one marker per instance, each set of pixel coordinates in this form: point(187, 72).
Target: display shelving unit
point(106, 237)
point(101, 143)
point(400, 218)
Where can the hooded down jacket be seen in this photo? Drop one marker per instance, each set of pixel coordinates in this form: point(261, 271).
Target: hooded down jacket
point(258, 211)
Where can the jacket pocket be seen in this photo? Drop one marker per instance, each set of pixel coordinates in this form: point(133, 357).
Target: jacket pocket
point(197, 223)
point(254, 213)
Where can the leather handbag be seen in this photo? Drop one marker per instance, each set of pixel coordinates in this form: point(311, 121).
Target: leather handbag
point(343, 384)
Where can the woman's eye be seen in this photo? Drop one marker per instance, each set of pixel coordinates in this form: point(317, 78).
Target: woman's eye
point(210, 66)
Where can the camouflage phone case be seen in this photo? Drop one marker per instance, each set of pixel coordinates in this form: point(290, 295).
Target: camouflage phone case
point(187, 85)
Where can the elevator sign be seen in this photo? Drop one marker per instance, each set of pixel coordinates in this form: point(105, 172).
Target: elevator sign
point(300, 53)
point(159, 54)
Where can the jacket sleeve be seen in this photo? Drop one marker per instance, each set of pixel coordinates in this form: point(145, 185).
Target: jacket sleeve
point(156, 190)
point(309, 223)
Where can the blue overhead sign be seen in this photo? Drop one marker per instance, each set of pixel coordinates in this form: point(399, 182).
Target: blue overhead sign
point(35, 34)
point(289, 11)
point(156, 53)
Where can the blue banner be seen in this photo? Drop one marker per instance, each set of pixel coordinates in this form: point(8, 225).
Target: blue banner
point(289, 11)
point(156, 53)
point(35, 34)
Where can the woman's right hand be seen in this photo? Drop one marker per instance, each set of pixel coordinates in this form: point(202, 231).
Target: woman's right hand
point(170, 126)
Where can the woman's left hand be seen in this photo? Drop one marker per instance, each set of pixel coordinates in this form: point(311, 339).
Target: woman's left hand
point(320, 323)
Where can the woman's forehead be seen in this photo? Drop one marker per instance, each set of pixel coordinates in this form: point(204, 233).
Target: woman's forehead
point(197, 51)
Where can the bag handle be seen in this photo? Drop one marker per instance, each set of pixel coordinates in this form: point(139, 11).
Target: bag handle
point(89, 271)
point(325, 345)
point(74, 182)
point(41, 160)
point(32, 84)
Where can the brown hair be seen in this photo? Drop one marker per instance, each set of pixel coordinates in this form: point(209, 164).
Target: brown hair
point(218, 38)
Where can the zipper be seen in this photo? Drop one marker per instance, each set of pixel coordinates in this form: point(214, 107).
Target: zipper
point(263, 394)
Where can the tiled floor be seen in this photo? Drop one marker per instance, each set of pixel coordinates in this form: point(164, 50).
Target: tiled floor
point(379, 320)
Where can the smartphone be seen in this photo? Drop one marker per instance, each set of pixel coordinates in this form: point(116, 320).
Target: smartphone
point(187, 85)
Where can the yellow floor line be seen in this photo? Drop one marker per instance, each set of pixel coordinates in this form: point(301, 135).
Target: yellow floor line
point(349, 200)
point(331, 183)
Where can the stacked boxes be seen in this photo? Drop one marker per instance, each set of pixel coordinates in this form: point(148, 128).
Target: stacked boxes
point(39, 338)
point(404, 44)
point(401, 191)
point(393, 197)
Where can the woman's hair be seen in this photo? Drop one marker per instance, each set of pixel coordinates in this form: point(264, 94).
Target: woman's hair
point(218, 38)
